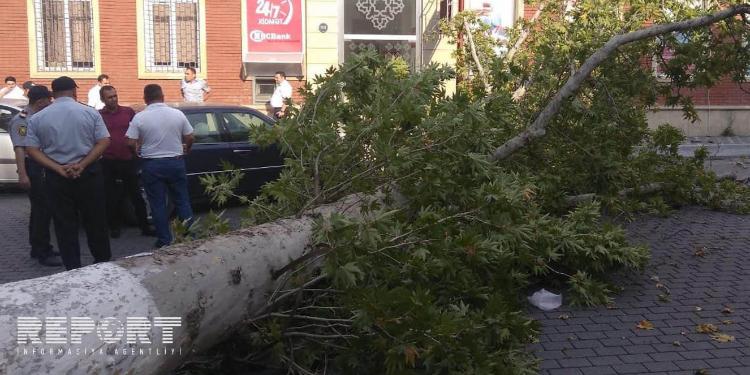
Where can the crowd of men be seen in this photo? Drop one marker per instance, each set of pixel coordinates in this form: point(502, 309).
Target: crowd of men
point(75, 159)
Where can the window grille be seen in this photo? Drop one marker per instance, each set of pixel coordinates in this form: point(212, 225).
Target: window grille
point(171, 35)
point(64, 35)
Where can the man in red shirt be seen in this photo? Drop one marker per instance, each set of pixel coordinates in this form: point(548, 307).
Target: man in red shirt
point(119, 163)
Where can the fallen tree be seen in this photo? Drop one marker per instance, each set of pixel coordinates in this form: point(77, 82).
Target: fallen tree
point(212, 285)
point(433, 284)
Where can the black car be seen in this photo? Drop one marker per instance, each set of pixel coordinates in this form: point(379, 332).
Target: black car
point(222, 135)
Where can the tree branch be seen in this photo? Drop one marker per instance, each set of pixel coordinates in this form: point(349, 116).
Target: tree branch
point(538, 128)
point(524, 35)
point(475, 56)
point(588, 197)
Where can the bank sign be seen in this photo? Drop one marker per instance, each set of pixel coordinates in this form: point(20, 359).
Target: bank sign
point(274, 26)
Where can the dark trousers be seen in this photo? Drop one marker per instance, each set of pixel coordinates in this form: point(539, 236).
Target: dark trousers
point(127, 172)
point(163, 178)
point(275, 111)
point(40, 217)
point(82, 196)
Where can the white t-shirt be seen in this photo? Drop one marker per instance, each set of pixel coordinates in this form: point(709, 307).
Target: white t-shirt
point(14, 93)
point(94, 99)
point(193, 90)
point(160, 129)
point(281, 92)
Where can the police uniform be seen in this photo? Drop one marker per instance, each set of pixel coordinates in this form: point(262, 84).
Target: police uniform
point(66, 132)
point(40, 218)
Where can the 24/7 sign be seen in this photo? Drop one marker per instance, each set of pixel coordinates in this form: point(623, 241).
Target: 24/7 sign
point(274, 26)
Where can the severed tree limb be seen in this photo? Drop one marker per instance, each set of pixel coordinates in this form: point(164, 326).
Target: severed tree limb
point(475, 57)
point(538, 128)
point(644, 189)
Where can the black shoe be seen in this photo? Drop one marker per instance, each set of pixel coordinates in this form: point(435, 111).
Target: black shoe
point(114, 233)
point(50, 252)
point(50, 261)
point(148, 231)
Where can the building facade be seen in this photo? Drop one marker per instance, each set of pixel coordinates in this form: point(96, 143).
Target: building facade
point(236, 45)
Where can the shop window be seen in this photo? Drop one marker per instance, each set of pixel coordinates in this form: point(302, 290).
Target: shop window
point(387, 26)
point(172, 35)
point(64, 35)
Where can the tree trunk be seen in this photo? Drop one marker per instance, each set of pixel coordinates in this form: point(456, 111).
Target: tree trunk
point(211, 285)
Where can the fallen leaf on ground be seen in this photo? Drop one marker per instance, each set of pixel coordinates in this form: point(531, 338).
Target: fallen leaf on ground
point(698, 308)
point(702, 372)
point(727, 310)
point(676, 343)
point(700, 251)
point(564, 317)
point(722, 337)
point(645, 324)
point(706, 328)
point(727, 321)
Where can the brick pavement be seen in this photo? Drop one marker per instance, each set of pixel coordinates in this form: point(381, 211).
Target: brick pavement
point(15, 263)
point(606, 341)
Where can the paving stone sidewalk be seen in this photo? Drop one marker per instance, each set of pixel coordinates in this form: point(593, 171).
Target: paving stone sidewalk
point(698, 289)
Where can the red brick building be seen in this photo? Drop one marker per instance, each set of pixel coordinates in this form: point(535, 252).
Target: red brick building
point(43, 39)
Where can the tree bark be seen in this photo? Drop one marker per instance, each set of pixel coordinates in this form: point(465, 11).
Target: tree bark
point(538, 128)
point(211, 285)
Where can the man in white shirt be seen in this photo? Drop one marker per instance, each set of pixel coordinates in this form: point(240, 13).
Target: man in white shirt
point(11, 90)
point(281, 93)
point(95, 99)
point(194, 89)
point(165, 136)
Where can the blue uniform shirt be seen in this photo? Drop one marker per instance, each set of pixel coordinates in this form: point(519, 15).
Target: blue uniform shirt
point(66, 130)
point(18, 127)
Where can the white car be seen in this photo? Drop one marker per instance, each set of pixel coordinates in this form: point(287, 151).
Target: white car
point(8, 109)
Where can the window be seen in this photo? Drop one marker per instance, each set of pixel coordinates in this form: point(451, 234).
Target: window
point(239, 125)
point(65, 35)
point(389, 27)
point(660, 62)
point(205, 128)
point(263, 90)
point(172, 35)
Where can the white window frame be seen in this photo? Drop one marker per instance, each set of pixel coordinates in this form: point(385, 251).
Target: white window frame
point(150, 66)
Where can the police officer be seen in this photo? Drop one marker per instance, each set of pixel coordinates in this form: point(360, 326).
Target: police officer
point(67, 138)
point(30, 178)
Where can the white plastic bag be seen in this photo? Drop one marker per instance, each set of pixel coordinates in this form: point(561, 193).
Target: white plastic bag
point(545, 300)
